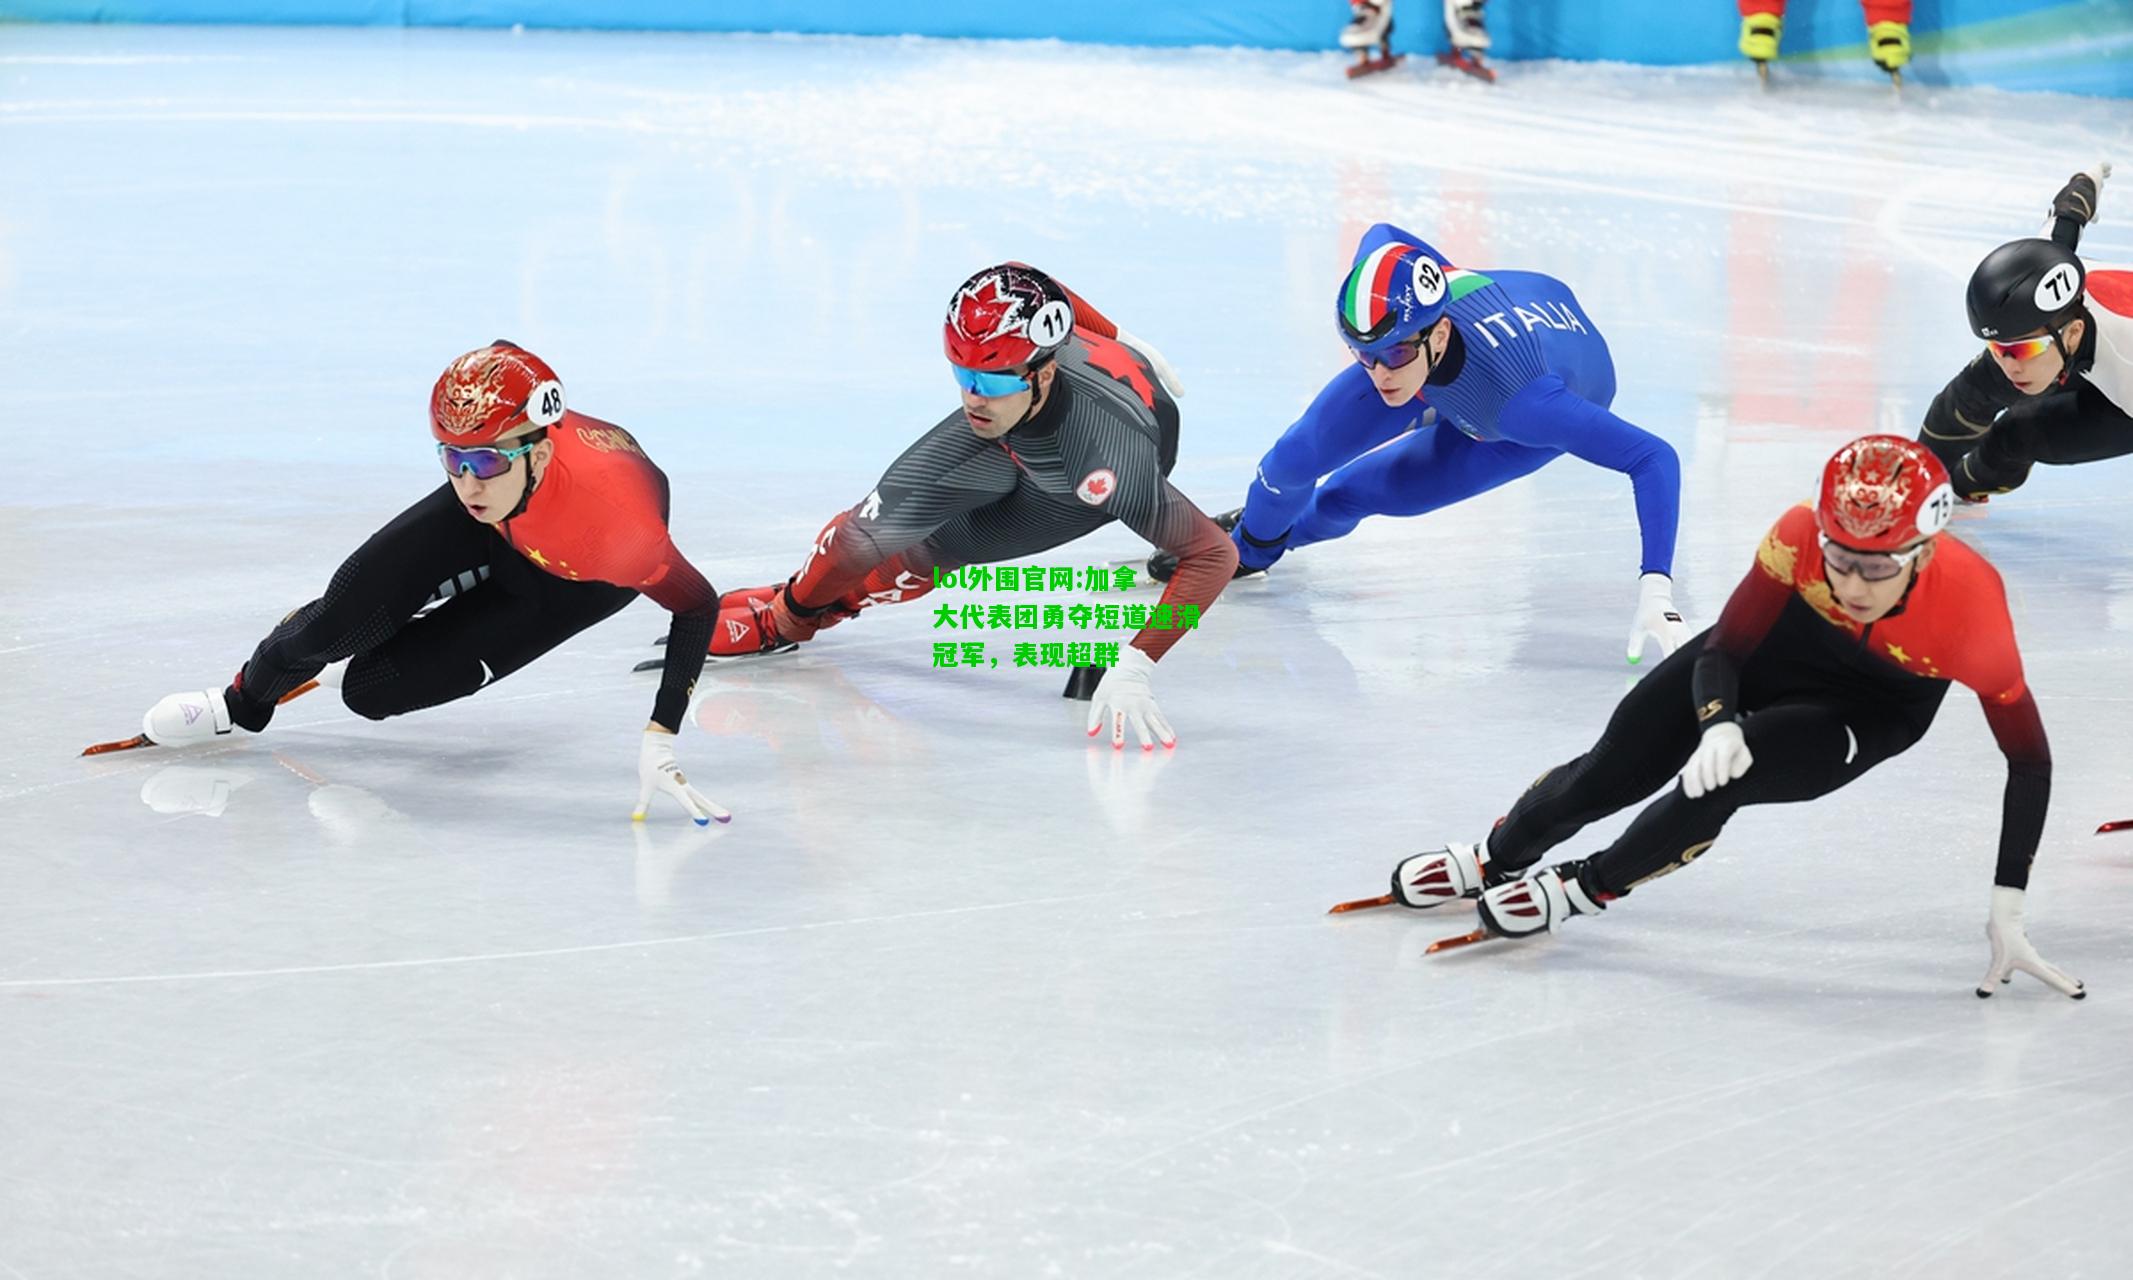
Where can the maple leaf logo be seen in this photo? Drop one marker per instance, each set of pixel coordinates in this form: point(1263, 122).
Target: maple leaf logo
point(985, 311)
point(1114, 359)
point(1095, 488)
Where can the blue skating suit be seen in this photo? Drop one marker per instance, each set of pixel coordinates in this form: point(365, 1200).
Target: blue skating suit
point(1527, 379)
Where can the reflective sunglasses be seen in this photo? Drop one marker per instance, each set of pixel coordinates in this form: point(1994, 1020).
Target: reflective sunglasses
point(483, 462)
point(989, 385)
point(1874, 566)
point(1397, 356)
point(2022, 348)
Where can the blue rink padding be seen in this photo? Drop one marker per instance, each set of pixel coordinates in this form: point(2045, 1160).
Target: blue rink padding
point(2074, 46)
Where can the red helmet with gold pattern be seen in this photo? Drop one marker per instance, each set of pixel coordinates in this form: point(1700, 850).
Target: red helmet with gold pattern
point(1883, 493)
point(489, 393)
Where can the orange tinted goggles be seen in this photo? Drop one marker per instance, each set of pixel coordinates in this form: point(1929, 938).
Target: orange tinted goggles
point(2022, 348)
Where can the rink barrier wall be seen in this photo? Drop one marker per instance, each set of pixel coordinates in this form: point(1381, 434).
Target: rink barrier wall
point(2076, 46)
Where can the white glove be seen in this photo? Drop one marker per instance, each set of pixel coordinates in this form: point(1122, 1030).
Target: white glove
point(2011, 949)
point(1721, 757)
point(1163, 372)
point(1656, 617)
point(658, 770)
point(1127, 692)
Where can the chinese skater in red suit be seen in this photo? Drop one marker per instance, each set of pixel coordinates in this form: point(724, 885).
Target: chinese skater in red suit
point(1830, 658)
point(548, 522)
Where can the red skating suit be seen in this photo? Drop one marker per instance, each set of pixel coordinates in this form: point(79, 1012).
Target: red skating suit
point(1952, 626)
point(600, 514)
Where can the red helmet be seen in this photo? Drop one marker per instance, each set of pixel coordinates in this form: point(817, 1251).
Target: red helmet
point(1883, 493)
point(484, 395)
point(1006, 316)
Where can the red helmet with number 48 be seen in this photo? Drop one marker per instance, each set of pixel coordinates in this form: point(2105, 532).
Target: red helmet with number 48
point(489, 393)
point(1007, 316)
point(1883, 493)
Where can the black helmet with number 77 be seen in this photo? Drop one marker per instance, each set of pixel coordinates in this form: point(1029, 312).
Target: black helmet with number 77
point(2024, 286)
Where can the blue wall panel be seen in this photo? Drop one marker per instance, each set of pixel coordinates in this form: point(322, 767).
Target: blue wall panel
point(2081, 46)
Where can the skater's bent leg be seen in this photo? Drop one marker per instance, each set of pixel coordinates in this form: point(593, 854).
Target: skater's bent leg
point(433, 547)
point(473, 641)
point(1431, 468)
point(1801, 750)
point(1650, 736)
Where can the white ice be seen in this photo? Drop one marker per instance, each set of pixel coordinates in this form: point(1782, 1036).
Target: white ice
point(959, 993)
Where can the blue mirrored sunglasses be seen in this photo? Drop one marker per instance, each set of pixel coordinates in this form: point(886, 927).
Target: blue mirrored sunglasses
point(980, 383)
point(483, 462)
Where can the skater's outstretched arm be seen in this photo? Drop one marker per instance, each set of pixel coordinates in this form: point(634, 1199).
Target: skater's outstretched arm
point(1963, 412)
point(1548, 414)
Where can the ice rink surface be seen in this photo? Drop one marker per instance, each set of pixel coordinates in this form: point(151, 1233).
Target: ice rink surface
point(959, 993)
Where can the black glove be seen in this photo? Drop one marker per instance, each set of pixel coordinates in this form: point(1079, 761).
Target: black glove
point(2076, 200)
point(1974, 479)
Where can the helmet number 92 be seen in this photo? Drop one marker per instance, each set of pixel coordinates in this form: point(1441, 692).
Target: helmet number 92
point(1429, 280)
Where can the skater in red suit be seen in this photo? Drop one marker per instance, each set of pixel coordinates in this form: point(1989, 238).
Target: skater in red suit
point(1832, 656)
point(1888, 31)
point(550, 522)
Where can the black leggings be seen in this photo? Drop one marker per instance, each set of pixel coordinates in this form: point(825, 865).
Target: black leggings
point(494, 614)
point(1804, 743)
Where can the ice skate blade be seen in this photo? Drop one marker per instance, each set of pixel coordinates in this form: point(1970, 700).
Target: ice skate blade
point(2123, 824)
point(1368, 66)
point(1472, 66)
point(123, 744)
point(1361, 904)
point(1463, 940)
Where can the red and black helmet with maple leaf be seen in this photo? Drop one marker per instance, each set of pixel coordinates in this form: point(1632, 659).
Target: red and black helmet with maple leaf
point(1006, 317)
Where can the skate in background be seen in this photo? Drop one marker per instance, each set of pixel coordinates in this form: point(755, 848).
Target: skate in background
point(1369, 33)
point(1469, 37)
point(1888, 34)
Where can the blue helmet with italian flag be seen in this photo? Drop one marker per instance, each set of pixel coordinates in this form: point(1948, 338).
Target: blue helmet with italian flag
point(1393, 294)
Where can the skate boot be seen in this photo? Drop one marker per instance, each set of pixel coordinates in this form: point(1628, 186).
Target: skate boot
point(186, 718)
point(1540, 902)
point(1890, 45)
point(1163, 566)
point(1432, 879)
point(1369, 33)
point(1469, 36)
point(1759, 35)
point(1370, 24)
point(745, 627)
